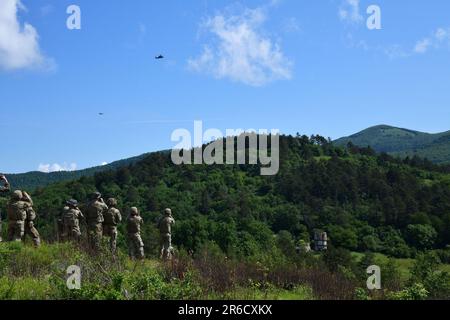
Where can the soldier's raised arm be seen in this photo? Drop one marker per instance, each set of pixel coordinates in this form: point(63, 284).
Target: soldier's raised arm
point(27, 198)
point(104, 205)
point(6, 185)
point(80, 214)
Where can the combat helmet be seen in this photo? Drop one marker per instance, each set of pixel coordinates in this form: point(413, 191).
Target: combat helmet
point(72, 203)
point(17, 195)
point(134, 211)
point(111, 202)
point(96, 195)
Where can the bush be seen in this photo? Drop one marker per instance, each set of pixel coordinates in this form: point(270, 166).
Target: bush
point(343, 237)
point(393, 244)
point(426, 272)
point(338, 257)
point(421, 236)
point(416, 291)
point(444, 255)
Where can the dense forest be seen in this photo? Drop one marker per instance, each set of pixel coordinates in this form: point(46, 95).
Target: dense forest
point(365, 201)
point(240, 235)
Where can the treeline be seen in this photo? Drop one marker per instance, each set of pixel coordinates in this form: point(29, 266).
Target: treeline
point(33, 180)
point(365, 201)
point(413, 161)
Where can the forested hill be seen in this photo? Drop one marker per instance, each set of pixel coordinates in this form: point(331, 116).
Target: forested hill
point(35, 179)
point(365, 201)
point(403, 142)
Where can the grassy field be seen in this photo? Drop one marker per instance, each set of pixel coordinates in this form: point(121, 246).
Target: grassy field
point(27, 273)
point(404, 265)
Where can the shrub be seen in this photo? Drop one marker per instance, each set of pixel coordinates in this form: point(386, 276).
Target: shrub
point(416, 291)
point(421, 236)
point(426, 272)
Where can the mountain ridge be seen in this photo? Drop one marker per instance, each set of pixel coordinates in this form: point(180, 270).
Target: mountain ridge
point(398, 142)
point(402, 142)
point(35, 179)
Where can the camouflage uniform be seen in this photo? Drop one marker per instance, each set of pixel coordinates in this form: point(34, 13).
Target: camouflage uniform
point(71, 221)
point(112, 219)
point(165, 231)
point(94, 218)
point(17, 214)
point(30, 229)
point(135, 243)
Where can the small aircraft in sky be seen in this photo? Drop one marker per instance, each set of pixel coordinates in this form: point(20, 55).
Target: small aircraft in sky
point(100, 113)
point(159, 57)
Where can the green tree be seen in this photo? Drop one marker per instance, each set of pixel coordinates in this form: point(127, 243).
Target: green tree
point(286, 244)
point(421, 236)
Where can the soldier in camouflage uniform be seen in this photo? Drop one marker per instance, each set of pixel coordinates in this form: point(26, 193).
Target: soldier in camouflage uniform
point(165, 230)
point(135, 243)
point(94, 218)
point(112, 218)
point(17, 214)
point(70, 220)
point(30, 229)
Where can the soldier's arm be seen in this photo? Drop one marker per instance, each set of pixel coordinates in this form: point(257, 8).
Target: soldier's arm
point(27, 198)
point(6, 185)
point(5, 188)
point(119, 216)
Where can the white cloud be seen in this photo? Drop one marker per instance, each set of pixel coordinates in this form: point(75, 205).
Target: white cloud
point(47, 168)
point(436, 40)
point(104, 163)
point(422, 46)
point(350, 12)
point(240, 51)
point(19, 47)
point(442, 34)
point(395, 51)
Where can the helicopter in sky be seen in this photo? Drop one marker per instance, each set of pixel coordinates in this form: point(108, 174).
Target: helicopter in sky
point(158, 57)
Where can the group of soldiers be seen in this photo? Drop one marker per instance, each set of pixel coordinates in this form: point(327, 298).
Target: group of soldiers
point(101, 219)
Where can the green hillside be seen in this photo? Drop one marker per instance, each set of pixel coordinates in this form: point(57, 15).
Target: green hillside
point(35, 179)
point(403, 142)
point(247, 227)
point(364, 200)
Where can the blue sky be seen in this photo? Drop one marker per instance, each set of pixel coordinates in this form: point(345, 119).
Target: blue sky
point(303, 66)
